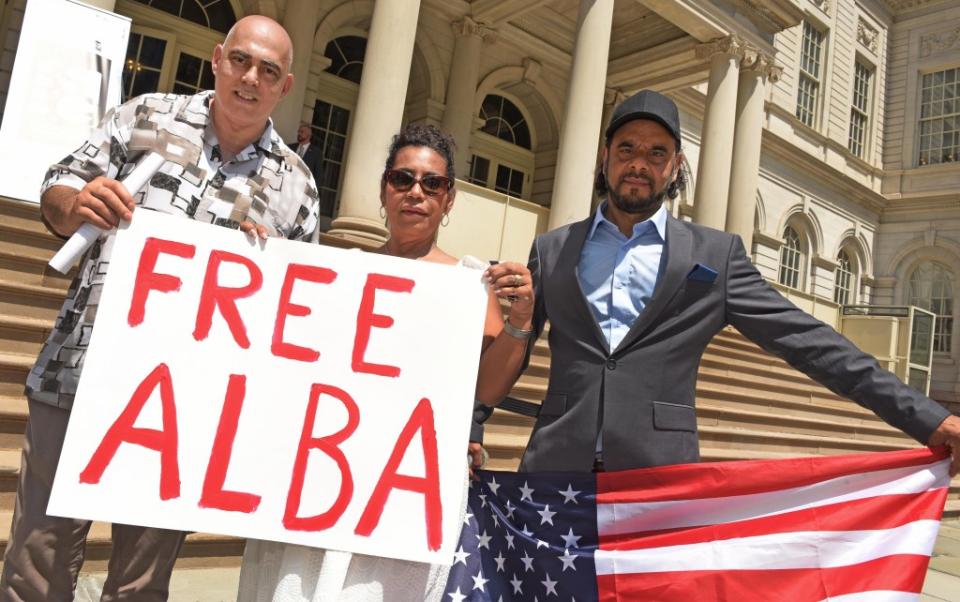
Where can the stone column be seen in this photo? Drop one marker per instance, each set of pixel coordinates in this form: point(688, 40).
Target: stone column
point(462, 87)
point(576, 157)
point(748, 132)
point(713, 170)
point(300, 21)
point(377, 117)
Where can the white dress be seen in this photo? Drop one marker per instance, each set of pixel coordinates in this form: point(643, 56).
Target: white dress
point(279, 572)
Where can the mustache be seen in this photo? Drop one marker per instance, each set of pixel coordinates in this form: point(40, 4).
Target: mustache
point(637, 175)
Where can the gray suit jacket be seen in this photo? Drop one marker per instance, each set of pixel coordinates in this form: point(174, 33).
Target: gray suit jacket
point(641, 394)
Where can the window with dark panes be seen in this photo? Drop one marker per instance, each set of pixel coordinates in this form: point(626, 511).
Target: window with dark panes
point(808, 87)
point(502, 118)
point(346, 57)
point(193, 75)
point(509, 181)
point(329, 133)
point(940, 117)
point(791, 258)
point(212, 14)
point(931, 288)
point(844, 279)
point(859, 109)
point(479, 170)
point(141, 71)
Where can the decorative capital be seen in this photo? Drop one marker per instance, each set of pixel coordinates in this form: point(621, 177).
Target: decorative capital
point(823, 5)
point(731, 45)
point(757, 61)
point(868, 36)
point(935, 43)
point(468, 27)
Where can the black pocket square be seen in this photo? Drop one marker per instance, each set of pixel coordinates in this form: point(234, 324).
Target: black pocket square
point(702, 273)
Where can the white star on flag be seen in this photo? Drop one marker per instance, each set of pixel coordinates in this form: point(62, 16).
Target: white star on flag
point(550, 585)
point(479, 581)
point(494, 486)
point(484, 540)
point(569, 495)
point(527, 561)
point(567, 559)
point(526, 492)
point(500, 559)
point(461, 556)
point(570, 540)
point(516, 583)
point(546, 516)
point(457, 596)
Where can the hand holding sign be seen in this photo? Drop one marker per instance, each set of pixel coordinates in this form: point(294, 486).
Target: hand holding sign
point(272, 393)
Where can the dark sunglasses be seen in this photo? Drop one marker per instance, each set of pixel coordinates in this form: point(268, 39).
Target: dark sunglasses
point(403, 180)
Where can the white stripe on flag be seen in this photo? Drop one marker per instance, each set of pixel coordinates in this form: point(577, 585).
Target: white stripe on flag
point(875, 596)
point(795, 550)
point(618, 518)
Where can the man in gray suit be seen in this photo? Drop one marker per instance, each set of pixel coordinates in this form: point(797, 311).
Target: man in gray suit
point(633, 297)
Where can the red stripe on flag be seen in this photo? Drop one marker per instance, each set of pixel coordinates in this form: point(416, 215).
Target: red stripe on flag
point(898, 573)
point(881, 512)
point(722, 479)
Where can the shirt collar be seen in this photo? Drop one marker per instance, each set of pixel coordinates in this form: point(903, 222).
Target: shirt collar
point(265, 144)
point(658, 219)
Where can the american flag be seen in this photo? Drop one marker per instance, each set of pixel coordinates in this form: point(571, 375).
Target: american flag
point(842, 528)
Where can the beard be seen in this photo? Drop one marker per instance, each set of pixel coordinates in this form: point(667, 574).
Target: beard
point(634, 203)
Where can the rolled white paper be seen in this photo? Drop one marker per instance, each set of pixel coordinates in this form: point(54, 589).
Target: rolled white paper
point(87, 233)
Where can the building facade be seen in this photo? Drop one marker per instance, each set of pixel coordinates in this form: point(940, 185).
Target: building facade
point(826, 133)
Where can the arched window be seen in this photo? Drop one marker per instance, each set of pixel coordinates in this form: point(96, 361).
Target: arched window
point(931, 287)
point(502, 118)
point(212, 14)
point(346, 57)
point(791, 258)
point(845, 280)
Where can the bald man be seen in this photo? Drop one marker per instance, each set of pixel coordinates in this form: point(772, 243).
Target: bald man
point(243, 177)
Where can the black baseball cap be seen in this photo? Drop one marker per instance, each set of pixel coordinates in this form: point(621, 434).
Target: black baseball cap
point(646, 104)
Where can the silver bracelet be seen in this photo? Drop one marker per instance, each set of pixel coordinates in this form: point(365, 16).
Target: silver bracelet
point(517, 333)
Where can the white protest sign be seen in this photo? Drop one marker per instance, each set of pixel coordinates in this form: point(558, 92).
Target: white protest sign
point(279, 390)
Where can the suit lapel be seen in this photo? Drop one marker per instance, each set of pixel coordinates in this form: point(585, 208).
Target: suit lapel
point(568, 266)
point(679, 250)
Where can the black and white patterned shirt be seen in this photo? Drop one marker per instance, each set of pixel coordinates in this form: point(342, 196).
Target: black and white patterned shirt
point(266, 183)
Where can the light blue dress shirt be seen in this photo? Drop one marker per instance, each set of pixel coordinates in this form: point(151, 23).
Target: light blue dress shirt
point(618, 274)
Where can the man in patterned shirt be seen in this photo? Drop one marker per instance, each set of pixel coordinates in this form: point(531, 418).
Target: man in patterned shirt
point(235, 172)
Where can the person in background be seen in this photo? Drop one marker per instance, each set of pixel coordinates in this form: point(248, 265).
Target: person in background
point(309, 152)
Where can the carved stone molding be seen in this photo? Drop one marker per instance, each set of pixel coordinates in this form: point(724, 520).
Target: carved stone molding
point(468, 27)
point(613, 96)
point(754, 60)
point(935, 43)
point(531, 70)
point(730, 45)
point(824, 263)
point(823, 5)
point(868, 36)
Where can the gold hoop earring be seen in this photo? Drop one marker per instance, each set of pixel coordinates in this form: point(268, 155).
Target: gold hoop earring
point(383, 212)
point(445, 220)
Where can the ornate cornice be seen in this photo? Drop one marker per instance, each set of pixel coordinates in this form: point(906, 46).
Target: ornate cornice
point(731, 45)
point(935, 43)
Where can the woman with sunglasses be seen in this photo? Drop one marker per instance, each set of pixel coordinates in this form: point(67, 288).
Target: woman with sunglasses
point(416, 195)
